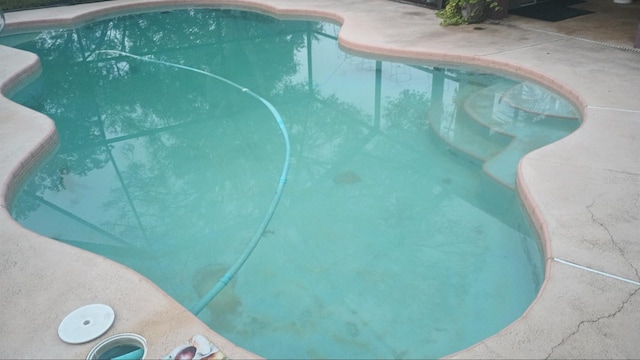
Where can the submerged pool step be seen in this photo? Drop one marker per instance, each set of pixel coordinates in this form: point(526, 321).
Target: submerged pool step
point(502, 167)
point(497, 130)
point(465, 136)
point(497, 108)
point(538, 101)
point(530, 115)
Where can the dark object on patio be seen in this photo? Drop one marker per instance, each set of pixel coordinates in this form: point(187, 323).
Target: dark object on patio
point(554, 10)
point(431, 4)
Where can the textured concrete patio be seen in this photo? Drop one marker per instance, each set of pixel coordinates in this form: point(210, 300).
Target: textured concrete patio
point(583, 192)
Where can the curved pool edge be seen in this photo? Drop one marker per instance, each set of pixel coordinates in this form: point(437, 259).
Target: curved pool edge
point(44, 280)
point(45, 137)
point(576, 313)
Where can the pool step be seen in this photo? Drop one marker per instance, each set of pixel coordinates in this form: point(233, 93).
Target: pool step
point(497, 130)
point(502, 167)
point(493, 108)
point(536, 101)
point(465, 135)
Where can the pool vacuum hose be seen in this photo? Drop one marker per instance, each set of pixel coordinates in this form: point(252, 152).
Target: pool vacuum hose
point(224, 280)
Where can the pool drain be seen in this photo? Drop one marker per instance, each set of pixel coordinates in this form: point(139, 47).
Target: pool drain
point(121, 346)
point(86, 323)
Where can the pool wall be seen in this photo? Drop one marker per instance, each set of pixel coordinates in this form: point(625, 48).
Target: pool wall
point(582, 192)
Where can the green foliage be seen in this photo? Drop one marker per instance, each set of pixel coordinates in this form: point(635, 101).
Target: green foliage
point(452, 14)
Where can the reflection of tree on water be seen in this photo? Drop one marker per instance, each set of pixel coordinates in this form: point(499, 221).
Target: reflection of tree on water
point(122, 108)
point(408, 112)
point(124, 119)
point(126, 125)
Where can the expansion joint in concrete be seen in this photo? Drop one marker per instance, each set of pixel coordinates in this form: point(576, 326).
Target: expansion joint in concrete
point(613, 109)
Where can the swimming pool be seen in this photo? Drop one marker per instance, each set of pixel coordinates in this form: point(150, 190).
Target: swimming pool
point(377, 173)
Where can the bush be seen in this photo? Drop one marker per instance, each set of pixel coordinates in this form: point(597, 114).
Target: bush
point(462, 12)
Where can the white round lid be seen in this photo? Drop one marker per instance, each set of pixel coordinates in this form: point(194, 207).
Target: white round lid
point(86, 323)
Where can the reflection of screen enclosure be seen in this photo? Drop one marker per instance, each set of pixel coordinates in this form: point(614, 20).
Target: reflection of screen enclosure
point(398, 233)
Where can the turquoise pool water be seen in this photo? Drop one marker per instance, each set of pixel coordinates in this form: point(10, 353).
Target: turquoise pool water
point(398, 234)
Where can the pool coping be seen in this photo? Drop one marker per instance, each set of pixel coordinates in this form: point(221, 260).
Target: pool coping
point(581, 192)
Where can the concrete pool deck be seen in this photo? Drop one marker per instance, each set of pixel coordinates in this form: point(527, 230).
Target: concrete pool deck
point(583, 192)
